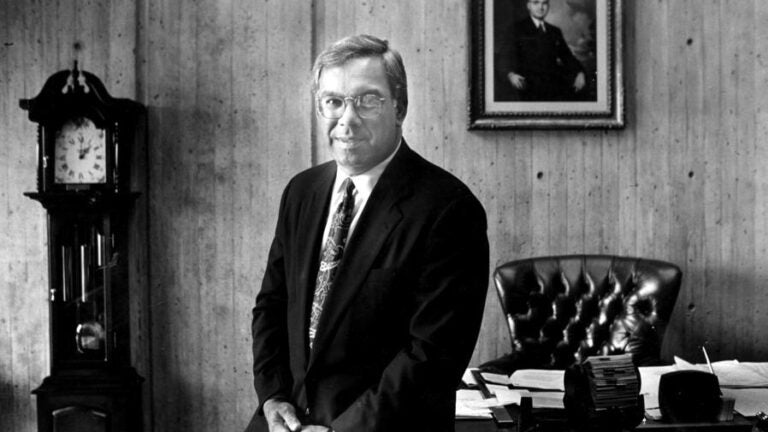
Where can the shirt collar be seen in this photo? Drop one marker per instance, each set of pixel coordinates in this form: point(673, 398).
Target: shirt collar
point(537, 22)
point(365, 182)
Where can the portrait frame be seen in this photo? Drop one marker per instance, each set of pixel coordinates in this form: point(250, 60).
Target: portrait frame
point(593, 32)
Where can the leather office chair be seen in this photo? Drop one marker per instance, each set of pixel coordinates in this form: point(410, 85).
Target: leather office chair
point(563, 309)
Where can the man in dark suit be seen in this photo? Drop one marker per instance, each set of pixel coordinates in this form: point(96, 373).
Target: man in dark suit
point(376, 279)
point(538, 63)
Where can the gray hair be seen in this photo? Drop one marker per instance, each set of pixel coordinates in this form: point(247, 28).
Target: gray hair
point(359, 46)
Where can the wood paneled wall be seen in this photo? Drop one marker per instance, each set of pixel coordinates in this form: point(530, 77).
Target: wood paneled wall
point(228, 91)
point(226, 84)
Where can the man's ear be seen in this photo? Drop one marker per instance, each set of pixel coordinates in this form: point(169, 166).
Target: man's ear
point(400, 112)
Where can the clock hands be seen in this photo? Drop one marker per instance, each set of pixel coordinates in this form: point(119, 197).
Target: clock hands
point(80, 153)
point(80, 140)
point(84, 151)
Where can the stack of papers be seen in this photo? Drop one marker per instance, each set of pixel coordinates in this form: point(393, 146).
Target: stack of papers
point(613, 381)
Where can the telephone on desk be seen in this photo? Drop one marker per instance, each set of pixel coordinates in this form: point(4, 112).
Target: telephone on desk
point(692, 396)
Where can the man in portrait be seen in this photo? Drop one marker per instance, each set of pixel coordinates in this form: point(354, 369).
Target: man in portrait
point(536, 61)
point(376, 279)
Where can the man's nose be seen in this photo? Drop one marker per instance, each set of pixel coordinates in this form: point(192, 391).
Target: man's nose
point(350, 115)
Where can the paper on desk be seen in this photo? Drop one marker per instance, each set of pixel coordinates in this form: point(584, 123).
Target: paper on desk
point(760, 368)
point(653, 413)
point(468, 378)
point(549, 399)
point(495, 378)
point(749, 401)
point(551, 379)
point(495, 389)
point(738, 375)
point(731, 373)
point(505, 395)
point(649, 383)
point(470, 404)
point(464, 395)
point(539, 399)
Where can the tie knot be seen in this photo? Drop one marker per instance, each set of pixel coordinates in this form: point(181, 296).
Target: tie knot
point(347, 202)
point(348, 185)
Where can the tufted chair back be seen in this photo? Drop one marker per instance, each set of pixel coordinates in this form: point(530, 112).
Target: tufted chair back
point(562, 309)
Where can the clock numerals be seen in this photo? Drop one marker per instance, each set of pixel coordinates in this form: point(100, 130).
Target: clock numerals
point(79, 153)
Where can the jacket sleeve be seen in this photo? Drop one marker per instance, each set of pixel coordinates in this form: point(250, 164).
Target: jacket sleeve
point(509, 56)
point(419, 383)
point(570, 63)
point(271, 372)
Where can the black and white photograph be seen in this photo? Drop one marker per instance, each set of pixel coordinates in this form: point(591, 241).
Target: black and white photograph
point(383, 216)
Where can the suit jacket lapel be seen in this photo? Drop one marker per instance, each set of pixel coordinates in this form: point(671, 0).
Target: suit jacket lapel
point(380, 215)
point(311, 223)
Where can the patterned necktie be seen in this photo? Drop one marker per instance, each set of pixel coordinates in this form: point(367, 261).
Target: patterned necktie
point(332, 252)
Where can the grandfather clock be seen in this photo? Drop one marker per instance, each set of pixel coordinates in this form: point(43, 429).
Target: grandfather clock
point(84, 146)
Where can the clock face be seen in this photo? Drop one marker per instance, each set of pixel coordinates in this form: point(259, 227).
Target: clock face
point(80, 153)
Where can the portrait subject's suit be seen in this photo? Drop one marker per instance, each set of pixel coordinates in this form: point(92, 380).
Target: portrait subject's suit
point(544, 59)
point(400, 322)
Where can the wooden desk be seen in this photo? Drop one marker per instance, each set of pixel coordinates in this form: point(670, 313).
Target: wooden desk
point(464, 425)
point(739, 424)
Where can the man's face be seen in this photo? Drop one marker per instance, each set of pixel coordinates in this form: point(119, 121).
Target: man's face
point(358, 144)
point(538, 8)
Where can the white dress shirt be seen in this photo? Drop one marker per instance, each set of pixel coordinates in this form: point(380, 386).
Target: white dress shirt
point(364, 184)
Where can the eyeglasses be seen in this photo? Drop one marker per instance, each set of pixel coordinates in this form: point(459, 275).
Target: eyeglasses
point(366, 105)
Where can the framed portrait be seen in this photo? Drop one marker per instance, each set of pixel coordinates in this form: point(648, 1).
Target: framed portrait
point(546, 64)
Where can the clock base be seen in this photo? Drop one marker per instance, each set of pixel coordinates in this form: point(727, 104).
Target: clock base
point(90, 401)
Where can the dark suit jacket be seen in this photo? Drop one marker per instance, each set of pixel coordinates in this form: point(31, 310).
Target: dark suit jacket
point(544, 59)
point(401, 319)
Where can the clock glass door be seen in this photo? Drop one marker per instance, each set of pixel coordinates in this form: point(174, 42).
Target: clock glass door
point(83, 246)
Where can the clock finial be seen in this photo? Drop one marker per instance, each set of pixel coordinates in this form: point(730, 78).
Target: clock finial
point(75, 80)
